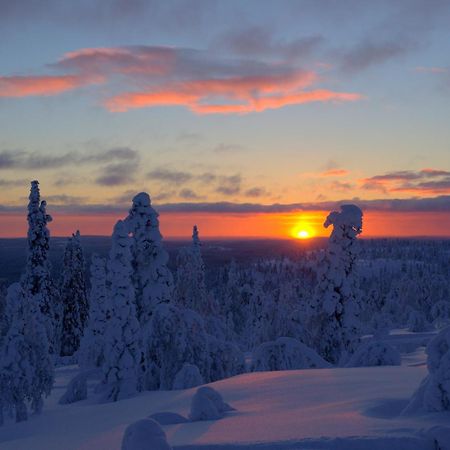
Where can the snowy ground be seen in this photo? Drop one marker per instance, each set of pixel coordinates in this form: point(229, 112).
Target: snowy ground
point(344, 409)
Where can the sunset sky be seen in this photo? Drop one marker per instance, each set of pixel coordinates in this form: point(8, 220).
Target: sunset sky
point(249, 118)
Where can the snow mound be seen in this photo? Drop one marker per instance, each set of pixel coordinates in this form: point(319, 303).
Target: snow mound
point(433, 393)
point(208, 404)
point(76, 389)
point(286, 354)
point(188, 377)
point(375, 353)
point(145, 434)
point(168, 418)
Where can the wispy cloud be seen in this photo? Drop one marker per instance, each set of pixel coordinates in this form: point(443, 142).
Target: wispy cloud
point(437, 70)
point(189, 194)
point(256, 192)
point(373, 52)
point(118, 173)
point(258, 40)
point(229, 185)
point(434, 204)
point(423, 182)
point(10, 159)
point(169, 176)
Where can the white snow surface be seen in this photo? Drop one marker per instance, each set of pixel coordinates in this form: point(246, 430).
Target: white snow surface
point(342, 408)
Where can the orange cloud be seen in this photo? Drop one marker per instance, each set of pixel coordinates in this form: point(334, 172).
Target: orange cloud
point(24, 86)
point(234, 95)
point(335, 173)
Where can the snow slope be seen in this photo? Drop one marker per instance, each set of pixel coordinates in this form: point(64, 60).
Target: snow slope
point(354, 408)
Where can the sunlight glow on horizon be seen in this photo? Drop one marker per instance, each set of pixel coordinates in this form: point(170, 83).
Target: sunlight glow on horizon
point(262, 225)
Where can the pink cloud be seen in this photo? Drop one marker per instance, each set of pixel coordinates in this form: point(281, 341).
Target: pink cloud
point(24, 86)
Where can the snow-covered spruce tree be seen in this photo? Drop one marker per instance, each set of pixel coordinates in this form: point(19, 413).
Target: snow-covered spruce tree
point(91, 353)
point(190, 288)
point(123, 348)
point(36, 280)
point(73, 296)
point(26, 368)
point(334, 323)
point(152, 280)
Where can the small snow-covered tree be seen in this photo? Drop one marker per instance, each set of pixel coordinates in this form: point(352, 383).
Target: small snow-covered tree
point(152, 280)
point(433, 393)
point(177, 336)
point(417, 322)
point(123, 347)
point(334, 322)
point(374, 353)
point(188, 377)
point(190, 288)
point(26, 368)
point(36, 280)
point(286, 354)
point(92, 347)
point(226, 359)
point(440, 314)
point(73, 296)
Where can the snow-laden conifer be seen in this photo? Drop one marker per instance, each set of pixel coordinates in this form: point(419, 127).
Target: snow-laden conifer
point(152, 280)
point(123, 348)
point(92, 347)
point(73, 296)
point(36, 280)
point(334, 323)
point(190, 287)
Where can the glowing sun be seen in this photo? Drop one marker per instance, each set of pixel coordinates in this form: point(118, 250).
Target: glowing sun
point(303, 234)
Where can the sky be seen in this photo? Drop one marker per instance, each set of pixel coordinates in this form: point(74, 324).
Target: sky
point(251, 118)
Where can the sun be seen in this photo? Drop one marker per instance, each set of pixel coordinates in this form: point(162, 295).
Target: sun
point(303, 234)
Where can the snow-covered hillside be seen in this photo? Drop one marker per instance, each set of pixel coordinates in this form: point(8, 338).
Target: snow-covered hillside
point(352, 408)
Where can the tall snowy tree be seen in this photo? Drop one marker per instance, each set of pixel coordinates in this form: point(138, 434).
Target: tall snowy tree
point(334, 323)
point(36, 280)
point(26, 368)
point(190, 287)
point(73, 296)
point(152, 280)
point(123, 350)
point(92, 347)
